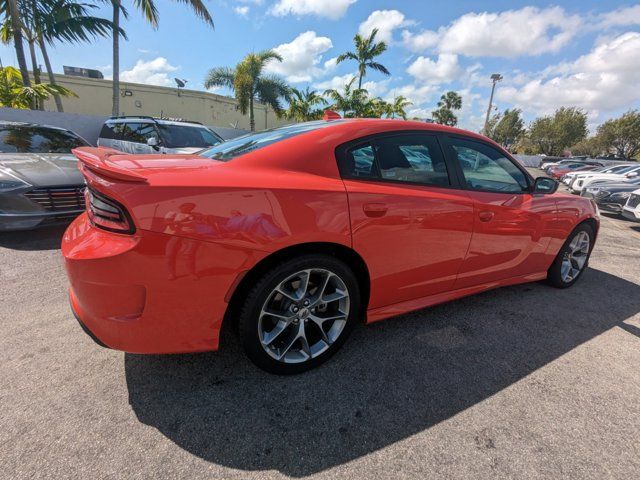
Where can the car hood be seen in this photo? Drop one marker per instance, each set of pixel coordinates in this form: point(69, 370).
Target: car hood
point(43, 169)
point(617, 187)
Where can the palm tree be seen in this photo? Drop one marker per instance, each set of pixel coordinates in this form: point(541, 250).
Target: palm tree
point(10, 7)
point(366, 50)
point(302, 105)
point(47, 21)
point(351, 102)
point(250, 85)
point(15, 94)
point(449, 102)
point(150, 12)
point(400, 103)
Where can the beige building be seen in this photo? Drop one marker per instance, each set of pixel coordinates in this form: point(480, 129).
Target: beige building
point(94, 98)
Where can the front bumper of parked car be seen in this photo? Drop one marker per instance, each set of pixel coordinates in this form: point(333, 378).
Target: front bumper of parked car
point(149, 292)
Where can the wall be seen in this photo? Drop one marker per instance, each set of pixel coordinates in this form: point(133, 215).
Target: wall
point(94, 98)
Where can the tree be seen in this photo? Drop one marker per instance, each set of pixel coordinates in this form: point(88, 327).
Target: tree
point(400, 103)
point(449, 102)
point(304, 105)
point(621, 135)
point(352, 102)
point(15, 94)
point(508, 129)
point(552, 135)
point(250, 85)
point(46, 21)
point(11, 8)
point(366, 51)
point(149, 10)
point(591, 147)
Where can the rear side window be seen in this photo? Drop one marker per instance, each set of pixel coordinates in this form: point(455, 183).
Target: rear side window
point(108, 131)
point(138, 132)
point(410, 158)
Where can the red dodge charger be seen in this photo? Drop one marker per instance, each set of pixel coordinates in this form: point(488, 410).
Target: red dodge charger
point(298, 233)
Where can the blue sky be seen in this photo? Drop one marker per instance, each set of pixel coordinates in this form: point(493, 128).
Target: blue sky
point(574, 53)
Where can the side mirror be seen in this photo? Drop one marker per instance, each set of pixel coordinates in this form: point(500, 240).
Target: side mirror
point(153, 142)
point(545, 185)
point(632, 175)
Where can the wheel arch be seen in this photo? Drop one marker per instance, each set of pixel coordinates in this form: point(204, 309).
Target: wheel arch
point(347, 255)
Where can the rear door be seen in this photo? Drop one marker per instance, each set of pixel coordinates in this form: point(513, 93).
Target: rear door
point(135, 135)
point(409, 222)
point(511, 226)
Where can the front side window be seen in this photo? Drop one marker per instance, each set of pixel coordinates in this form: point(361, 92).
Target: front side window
point(486, 168)
point(409, 158)
point(180, 136)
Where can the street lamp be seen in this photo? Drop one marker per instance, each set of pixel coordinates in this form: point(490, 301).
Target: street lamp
point(496, 77)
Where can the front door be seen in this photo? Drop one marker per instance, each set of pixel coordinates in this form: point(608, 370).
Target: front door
point(408, 223)
point(512, 227)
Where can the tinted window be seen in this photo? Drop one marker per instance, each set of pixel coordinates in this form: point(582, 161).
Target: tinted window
point(254, 141)
point(108, 131)
point(411, 158)
point(178, 136)
point(21, 139)
point(137, 132)
point(485, 168)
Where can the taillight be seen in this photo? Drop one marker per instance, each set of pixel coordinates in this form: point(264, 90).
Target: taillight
point(107, 214)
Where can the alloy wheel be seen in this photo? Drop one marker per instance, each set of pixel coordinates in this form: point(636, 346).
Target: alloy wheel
point(575, 258)
point(304, 315)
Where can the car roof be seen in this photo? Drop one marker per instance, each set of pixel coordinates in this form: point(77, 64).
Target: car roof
point(8, 123)
point(159, 121)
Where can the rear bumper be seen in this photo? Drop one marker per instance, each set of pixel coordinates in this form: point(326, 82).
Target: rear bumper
point(149, 292)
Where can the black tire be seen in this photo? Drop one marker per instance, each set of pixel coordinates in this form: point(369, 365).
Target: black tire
point(249, 315)
point(554, 274)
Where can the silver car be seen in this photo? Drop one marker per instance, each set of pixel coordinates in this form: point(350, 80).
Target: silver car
point(40, 183)
point(141, 135)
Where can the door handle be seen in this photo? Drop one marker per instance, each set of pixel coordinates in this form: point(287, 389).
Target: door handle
point(486, 216)
point(374, 209)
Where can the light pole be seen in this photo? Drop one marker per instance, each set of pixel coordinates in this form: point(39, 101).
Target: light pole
point(496, 77)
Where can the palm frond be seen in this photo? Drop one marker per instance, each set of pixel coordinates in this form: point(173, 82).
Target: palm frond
point(220, 77)
point(149, 10)
point(200, 10)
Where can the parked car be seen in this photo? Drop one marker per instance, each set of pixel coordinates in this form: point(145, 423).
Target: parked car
point(298, 233)
point(558, 173)
point(631, 209)
point(585, 179)
point(549, 162)
point(40, 183)
point(155, 135)
point(611, 196)
point(570, 176)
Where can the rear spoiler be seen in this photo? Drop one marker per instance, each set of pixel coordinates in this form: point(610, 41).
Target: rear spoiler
point(96, 159)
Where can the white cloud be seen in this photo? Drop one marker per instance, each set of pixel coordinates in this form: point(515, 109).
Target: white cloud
point(386, 21)
point(605, 79)
point(420, 42)
point(301, 57)
point(332, 9)
point(152, 72)
point(335, 83)
point(242, 11)
point(620, 17)
point(416, 94)
point(512, 33)
point(444, 69)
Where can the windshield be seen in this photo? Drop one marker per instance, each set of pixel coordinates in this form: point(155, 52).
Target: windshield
point(33, 139)
point(253, 141)
point(182, 136)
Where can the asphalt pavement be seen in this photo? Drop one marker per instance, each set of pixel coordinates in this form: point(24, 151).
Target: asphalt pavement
point(520, 382)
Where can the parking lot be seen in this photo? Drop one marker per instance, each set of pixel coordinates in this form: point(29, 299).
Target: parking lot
point(522, 382)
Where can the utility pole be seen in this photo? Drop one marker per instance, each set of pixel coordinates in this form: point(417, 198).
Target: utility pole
point(496, 77)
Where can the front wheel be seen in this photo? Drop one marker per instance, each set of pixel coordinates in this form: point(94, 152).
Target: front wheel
point(573, 258)
point(299, 314)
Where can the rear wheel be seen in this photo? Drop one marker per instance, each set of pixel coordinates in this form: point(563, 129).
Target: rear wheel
point(573, 258)
point(298, 314)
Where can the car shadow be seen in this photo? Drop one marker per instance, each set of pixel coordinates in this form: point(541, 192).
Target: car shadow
point(45, 238)
point(390, 381)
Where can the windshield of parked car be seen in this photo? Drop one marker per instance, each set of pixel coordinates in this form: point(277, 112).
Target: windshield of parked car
point(253, 141)
point(181, 136)
point(35, 139)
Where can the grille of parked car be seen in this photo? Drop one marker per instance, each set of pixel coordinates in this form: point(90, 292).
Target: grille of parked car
point(634, 201)
point(58, 199)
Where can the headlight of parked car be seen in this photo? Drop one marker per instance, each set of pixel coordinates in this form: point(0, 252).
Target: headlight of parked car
point(620, 196)
point(10, 182)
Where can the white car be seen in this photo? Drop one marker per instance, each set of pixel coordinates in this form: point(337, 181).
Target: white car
point(585, 179)
point(569, 177)
point(631, 210)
